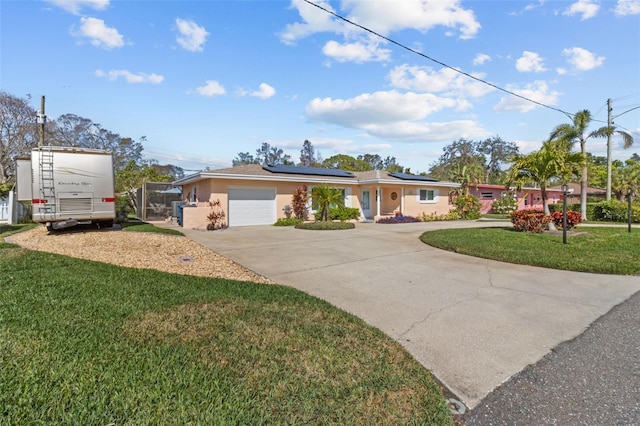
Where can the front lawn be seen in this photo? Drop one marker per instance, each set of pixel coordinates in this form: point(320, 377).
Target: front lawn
point(594, 249)
point(90, 343)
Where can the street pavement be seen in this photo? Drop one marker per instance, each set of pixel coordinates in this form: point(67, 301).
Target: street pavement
point(593, 379)
point(473, 322)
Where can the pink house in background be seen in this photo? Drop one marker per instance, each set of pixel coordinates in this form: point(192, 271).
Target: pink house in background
point(528, 198)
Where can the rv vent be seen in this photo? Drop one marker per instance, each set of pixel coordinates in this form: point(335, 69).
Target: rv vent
point(69, 205)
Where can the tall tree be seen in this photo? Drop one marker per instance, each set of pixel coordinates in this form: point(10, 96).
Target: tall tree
point(244, 158)
point(308, 156)
point(18, 132)
point(457, 155)
point(497, 152)
point(570, 133)
point(268, 154)
point(132, 176)
point(625, 178)
point(73, 130)
point(552, 161)
point(374, 161)
point(346, 162)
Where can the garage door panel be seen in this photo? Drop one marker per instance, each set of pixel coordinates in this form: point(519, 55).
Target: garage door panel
point(249, 206)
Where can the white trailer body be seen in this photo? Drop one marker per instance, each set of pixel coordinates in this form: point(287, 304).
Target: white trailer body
point(70, 186)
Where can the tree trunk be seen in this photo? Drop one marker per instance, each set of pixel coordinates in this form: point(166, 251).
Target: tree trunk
point(583, 183)
point(545, 207)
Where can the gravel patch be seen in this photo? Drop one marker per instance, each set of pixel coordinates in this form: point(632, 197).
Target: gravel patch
point(143, 250)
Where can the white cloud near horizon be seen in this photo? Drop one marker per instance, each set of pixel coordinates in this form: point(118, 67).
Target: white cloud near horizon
point(191, 36)
point(130, 77)
point(587, 9)
point(538, 91)
point(210, 89)
point(393, 115)
point(530, 62)
point(581, 59)
point(98, 33)
point(76, 6)
point(627, 7)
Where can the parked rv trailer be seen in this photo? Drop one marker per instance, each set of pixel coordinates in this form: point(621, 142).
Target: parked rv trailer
point(68, 186)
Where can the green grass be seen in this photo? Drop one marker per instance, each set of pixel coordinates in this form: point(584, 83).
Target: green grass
point(599, 250)
point(90, 343)
point(325, 225)
point(140, 226)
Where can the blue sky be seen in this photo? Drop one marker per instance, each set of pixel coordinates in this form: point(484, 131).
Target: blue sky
point(204, 80)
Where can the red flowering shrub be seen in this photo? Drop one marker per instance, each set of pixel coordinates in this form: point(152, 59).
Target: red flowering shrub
point(573, 219)
point(529, 220)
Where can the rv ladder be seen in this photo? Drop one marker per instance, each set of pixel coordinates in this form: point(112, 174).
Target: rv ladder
point(47, 183)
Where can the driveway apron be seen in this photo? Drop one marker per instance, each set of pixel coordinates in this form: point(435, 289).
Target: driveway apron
point(473, 322)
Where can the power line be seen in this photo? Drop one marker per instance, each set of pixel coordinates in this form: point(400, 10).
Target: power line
point(439, 62)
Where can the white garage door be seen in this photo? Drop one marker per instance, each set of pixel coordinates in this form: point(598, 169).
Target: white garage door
point(249, 206)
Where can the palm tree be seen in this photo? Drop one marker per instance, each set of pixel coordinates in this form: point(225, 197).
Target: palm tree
point(324, 197)
point(553, 160)
point(568, 134)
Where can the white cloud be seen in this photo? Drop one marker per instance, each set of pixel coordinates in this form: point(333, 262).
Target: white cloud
point(481, 59)
point(393, 115)
point(586, 8)
point(627, 7)
point(446, 81)
point(130, 77)
point(429, 131)
point(581, 59)
point(537, 91)
point(383, 17)
point(211, 89)
point(530, 62)
point(314, 21)
point(423, 15)
point(265, 91)
point(99, 34)
point(191, 36)
point(355, 52)
point(75, 6)
point(379, 107)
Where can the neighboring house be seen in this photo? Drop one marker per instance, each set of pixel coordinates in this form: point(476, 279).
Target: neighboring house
point(528, 198)
point(574, 197)
point(257, 195)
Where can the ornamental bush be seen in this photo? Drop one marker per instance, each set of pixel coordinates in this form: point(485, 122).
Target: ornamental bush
point(573, 219)
point(325, 225)
point(534, 221)
point(288, 221)
point(468, 207)
point(344, 213)
point(432, 217)
point(507, 203)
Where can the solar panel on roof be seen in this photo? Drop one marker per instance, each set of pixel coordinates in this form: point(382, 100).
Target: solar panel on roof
point(407, 176)
point(313, 171)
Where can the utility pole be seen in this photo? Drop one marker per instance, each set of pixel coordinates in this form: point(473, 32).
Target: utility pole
point(609, 124)
point(42, 120)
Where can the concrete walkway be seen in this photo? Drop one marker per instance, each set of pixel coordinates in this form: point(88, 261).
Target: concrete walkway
point(473, 322)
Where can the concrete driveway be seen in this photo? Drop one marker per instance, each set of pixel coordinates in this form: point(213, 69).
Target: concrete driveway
point(474, 323)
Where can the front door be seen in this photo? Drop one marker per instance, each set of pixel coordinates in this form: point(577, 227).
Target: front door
point(366, 203)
